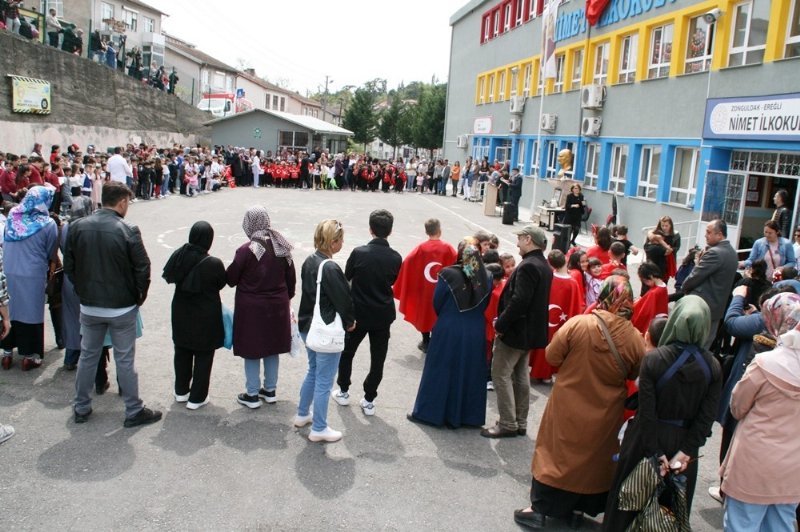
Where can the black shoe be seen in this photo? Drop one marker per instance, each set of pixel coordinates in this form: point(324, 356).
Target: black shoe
point(70, 367)
point(81, 418)
point(422, 346)
point(522, 432)
point(576, 521)
point(498, 432)
point(250, 401)
point(60, 344)
point(145, 416)
point(100, 389)
point(268, 397)
point(532, 519)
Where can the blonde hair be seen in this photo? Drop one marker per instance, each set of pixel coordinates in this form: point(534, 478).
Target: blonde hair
point(326, 233)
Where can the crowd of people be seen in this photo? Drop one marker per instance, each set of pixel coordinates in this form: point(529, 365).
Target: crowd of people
point(636, 385)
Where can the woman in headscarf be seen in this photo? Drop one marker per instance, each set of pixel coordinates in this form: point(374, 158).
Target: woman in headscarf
point(197, 329)
point(761, 472)
point(263, 273)
point(31, 239)
point(573, 463)
point(679, 387)
point(452, 390)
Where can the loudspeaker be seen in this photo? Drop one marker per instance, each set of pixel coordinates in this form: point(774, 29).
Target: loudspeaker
point(561, 235)
point(509, 213)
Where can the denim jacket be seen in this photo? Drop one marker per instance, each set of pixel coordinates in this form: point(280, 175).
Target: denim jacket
point(760, 250)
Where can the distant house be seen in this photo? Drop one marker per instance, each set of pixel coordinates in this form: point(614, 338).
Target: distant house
point(198, 73)
point(263, 94)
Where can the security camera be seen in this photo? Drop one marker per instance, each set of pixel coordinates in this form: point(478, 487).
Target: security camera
point(712, 16)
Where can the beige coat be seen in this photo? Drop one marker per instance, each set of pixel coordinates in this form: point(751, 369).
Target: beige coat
point(578, 432)
point(763, 463)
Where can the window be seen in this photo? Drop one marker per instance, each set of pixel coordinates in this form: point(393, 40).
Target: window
point(518, 14)
point(627, 58)
point(514, 81)
point(275, 104)
point(539, 80)
point(130, 19)
point(501, 90)
point(283, 106)
point(699, 46)
point(619, 162)
point(648, 172)
point(487, 28)
point(532, 9)
point(535, 159)
point(592, 168)
point(577, 68)
point(496, 16)
point(684, 176)
point(660, 51)
point(600, 64)
point(203, 78)
point(149, 25)
point(106, 13)
point(521, 155)
point(482, 90)
point(749, 33)
point(46, 5)
point(266, 101)
point(526, 88)
point(219, 80)
point(558, 83)
point(490, 99)
point(502, 152)
point(552, 159)
point(793, 31)
point(507, 17)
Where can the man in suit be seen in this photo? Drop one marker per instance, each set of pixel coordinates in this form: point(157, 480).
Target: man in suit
point(521, 325)
point(712, 277)
point(372, 270)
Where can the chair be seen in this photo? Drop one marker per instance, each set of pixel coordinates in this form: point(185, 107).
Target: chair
point(587, 212)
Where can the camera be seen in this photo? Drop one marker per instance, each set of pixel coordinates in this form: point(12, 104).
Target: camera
point(712, 16)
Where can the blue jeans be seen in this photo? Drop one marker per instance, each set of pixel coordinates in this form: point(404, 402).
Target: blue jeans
point(71, 356)
point(743, 516)
point(252, 373)
point(317, 385)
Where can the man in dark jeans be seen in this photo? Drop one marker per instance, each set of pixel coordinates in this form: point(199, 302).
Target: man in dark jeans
point(372, 270)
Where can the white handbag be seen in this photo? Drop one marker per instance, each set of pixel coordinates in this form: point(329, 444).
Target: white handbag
point(324, 337)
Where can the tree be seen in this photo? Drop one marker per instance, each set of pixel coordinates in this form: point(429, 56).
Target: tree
point(389, 128)
point(428, 129)
point(360, 117)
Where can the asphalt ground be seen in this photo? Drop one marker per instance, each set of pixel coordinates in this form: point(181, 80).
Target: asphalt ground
point(226, 467)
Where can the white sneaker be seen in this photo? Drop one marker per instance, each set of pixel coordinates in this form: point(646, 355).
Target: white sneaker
point(490, 386)
point(194, 406)
point(302, 421)
point(368, 407)
point(181, 398)
point(343, 398)
point(6, 431)
point(327, 435)
point(715, 494)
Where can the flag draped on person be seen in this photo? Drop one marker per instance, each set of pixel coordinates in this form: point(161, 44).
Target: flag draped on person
point(549, 17)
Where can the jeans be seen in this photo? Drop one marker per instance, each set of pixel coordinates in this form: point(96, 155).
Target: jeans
point(12, 25)
point(165, 185)
point(378, 346)
point(252, 373)
point(317, 386)
point(71, 356)
point(52, 38)
point(744, 516)
point(123, 338)
point(512, 385)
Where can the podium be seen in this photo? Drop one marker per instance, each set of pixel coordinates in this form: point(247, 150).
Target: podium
point(490, 200)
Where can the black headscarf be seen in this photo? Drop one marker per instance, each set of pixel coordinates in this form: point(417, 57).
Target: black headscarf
point(467, 279)
point(185, 258)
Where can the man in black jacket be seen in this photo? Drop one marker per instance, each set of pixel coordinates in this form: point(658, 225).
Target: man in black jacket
point(372, 270)
point(521, 325)
point(106, 261)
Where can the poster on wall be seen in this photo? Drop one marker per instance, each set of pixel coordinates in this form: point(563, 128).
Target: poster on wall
point(30, 95)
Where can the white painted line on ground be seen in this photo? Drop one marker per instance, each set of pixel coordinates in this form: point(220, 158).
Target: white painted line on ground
point(454, 213)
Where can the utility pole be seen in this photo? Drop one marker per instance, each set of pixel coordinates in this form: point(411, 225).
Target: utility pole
point(325, 96)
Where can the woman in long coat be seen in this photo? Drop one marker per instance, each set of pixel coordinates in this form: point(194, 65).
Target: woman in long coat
point(452, 390)
point(197, 329)
point(263, 273)
point(573, 463)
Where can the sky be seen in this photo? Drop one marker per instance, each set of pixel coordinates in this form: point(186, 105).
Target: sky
point(296, 44)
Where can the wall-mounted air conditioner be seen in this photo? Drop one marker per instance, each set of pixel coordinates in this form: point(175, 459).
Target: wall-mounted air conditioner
point(593, 96)
point(514, 125)
point(591, 126)
point(517, 105)
point(462, 141)
point(549, 122)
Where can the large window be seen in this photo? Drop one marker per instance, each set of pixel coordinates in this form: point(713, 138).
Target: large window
point(699, 46)
point(514, 81)
point(627, 58)
point(601, 64)
point(131, 19)
point(648, 172)
point(558, 84)
point(539, 79)
point(532, 10)
point(619, 163)
point(518, 13)
point(496, 16)
point(482, 90)
point(106, 13)
point(535, 159)
point(577, 68)
point(502, 152)
point(749, 32)
point(293, 139)
point(490, 88)
point(487, 28)
point(507, 17)
point(684, 176)
point(660, 51)
point(46, 5)
point(149, 24)
point(552, 159)
point(592, 168)
point(501, 90)
point(793, 31)
point(526, 87)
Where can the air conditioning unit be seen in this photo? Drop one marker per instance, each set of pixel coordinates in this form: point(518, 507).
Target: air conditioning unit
point(549, 122)
point(462, 141)
point(514, 125)
point(591, 126)
point(517, 105)
point(593, 96)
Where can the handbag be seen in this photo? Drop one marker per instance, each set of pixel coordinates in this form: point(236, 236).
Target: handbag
point(324, 337)
point(227, 325)
point(54, 283)
point(297, 342)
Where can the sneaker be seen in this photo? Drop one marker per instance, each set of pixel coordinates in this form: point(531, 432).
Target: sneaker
point(716, 494)
point(145, 416)
point(302, 421)
point(343, 398)
point(81, 418)
point(490, 386)
point(6, 431)
point(194, 406)
point(328, 435)
point(268, 397)
point(368, 407)
point(181, 398)
point(7, 361)
point(250, 401)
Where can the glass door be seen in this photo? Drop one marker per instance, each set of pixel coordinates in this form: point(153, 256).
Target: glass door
point(723, 199)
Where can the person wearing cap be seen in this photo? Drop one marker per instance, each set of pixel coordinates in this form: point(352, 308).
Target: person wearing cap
point(521, 325)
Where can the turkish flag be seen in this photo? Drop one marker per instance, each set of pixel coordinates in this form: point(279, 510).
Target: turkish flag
point(595, 8)
point(655, 301)
point(564, 304)
point(417, 280)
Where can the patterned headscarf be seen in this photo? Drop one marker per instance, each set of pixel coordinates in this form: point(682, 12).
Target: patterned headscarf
point(256, 226)
point(31, 215)
point(616, 296)
point(781, 313)
point(469, 258)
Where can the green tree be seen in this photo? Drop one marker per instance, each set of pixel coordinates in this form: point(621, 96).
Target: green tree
point(389, 128)
point(405, 127)
point(360, 117)
point(428, 129)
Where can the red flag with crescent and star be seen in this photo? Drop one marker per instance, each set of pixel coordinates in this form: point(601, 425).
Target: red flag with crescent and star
point(417, 279)
point(564, 304)
point(594, 9)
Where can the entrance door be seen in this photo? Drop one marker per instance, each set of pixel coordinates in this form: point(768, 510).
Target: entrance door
point(723, 199)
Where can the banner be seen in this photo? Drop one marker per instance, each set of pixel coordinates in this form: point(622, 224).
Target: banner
point(549, 18)
point(30, 95)
point(774, 117)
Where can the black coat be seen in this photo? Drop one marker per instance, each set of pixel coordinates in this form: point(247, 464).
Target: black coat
point(372, 270)
point(522, 314)
point(197, 316)
point(572, 214)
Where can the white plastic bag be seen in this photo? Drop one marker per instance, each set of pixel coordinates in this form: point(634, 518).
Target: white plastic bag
point(297, 348)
